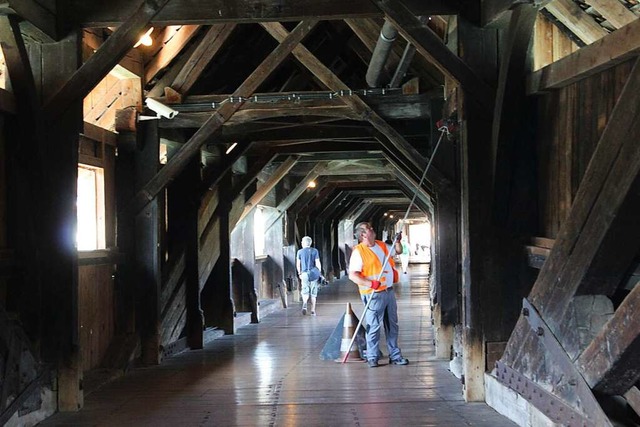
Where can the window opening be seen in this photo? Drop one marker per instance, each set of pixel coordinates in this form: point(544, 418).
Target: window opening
point(90, 209)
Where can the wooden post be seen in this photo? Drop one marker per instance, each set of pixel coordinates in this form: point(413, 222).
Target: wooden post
point(446, 277)
point(183, 236)
point(224, 302)
point(147, 250)
point(475, 165)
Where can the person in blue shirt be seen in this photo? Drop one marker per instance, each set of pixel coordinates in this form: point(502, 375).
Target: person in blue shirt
point(309, 267)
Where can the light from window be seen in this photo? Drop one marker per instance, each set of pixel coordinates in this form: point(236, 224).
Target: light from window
point(258, 231)
point(90, 207)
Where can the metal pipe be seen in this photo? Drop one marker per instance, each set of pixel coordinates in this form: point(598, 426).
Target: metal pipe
point(388, 34)
point(403, 66)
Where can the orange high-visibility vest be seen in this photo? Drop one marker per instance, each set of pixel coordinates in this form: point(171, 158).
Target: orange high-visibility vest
point(371, 266)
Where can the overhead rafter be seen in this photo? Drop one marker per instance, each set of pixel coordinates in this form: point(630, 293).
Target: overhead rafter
point(394, 140)
point(576, 20)
point(103, 60)
point(201, 57)
point(103, 14)
point(617, 47)
point(428, 44)
point(38, 15)
point(182, 157)
point(267, 186)
point(174, 39)
point(613, 11)
point(18, 67)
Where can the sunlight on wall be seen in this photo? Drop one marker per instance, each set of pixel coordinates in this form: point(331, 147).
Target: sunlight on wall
point(258, 231)
point(91, 209)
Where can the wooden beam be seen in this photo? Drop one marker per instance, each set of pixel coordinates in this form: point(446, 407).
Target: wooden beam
point(201, 57)
point(265, 188)
point(495, 10)
point(100, 14)
point(609, 182)
point(41, 17)
point(7, 102)
point(510, 111)
point(394, 140)
point(608, 364)
point(174, 40)
point(189, 120)
point(613, 11)
point(576, 20)
point(617, 47)
point(194, 111)
point(18, 67)
point(99, 134)
point(296, 193)
point(180, 160)
point(428, 44)
point(103, 60)
point(633, 399)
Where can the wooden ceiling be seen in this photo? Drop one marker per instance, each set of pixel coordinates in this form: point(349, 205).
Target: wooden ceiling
point(204, 51)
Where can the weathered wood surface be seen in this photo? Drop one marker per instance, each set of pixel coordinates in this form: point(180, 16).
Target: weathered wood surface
point(613, 11)
point(609, 184)
point(571, 121)
point(578, 21)
point(211, 43)
point(174, 39)
point(608, 364)
point(619, 46)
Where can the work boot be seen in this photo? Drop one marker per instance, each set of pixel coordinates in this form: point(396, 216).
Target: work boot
point(373, 363)
point(304, 309)
point(399, 361)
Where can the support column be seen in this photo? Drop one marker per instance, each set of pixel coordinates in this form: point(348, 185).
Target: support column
point(479, 281)
point(224, 303)
point(183, 236)
point(446, 277)
point(147, 248)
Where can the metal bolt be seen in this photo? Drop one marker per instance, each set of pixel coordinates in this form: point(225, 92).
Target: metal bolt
point(525, 311)
point(540, 331)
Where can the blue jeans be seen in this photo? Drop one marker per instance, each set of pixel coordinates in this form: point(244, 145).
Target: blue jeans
point(382, 310)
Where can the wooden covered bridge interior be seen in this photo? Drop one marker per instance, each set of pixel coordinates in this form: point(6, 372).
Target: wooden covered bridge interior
point(154, 189)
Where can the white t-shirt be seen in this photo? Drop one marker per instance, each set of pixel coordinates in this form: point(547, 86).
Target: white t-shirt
point(355, 264)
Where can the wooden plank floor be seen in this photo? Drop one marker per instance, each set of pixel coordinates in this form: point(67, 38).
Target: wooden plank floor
point(270, 374)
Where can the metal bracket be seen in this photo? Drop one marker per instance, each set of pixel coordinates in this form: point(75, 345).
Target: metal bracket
point(553, 407)
point(587, 403)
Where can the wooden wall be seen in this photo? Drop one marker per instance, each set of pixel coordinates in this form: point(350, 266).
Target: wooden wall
point(570, 123)
point(549, 43)
point(95, 312)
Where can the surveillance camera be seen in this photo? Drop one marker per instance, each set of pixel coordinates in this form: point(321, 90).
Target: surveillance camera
point(160, 109)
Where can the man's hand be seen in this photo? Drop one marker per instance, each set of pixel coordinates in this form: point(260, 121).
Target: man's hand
point(375, 284)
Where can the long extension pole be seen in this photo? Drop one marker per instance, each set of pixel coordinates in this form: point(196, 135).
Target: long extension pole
point(444, 130)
